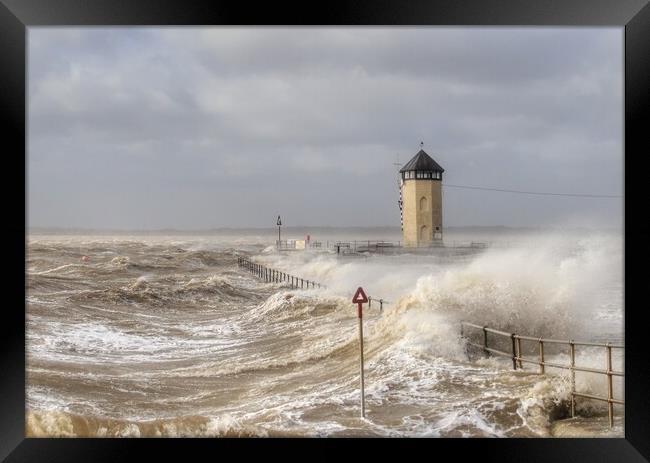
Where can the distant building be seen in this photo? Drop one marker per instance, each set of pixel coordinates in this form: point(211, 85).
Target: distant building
point(421, 200)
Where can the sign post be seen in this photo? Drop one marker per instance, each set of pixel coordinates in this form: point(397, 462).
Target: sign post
point(360, 298)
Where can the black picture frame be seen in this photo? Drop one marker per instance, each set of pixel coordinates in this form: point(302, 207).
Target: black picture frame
point(17, 15)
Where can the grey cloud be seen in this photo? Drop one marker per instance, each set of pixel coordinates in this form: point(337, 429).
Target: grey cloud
point(191, 128)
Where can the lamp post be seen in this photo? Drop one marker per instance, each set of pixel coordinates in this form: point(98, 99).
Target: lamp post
point(279, 224)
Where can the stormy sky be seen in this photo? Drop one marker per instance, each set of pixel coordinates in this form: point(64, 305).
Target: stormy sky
point(195, 128)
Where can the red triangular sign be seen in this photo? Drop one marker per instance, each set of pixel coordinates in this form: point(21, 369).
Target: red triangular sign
point(359, 296)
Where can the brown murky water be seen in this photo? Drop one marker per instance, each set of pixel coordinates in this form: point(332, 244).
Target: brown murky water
point(166, 336)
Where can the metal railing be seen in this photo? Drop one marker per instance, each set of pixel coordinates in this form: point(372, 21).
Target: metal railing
point(517, 359)
point(378, 246)
point(271, 275)
point(356, 246)
point(381, 303)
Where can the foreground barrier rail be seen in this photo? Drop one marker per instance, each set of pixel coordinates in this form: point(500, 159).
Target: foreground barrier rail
point(517, 359)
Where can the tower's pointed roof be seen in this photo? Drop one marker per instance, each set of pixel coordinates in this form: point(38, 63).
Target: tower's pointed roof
point(422, 161)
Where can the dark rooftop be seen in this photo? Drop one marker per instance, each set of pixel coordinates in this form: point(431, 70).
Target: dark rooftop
point(422, 161)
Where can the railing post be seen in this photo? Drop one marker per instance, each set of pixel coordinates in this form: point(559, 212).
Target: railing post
point(381, 305)
point(519, 354)
point(573, 378)
point(610, 391)
point(302, 283)
point(369, 301)
point(485, 345)
point(514, 351)
point(541, 357)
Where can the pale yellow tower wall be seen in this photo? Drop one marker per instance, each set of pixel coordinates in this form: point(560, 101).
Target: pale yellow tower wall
point(418, 212)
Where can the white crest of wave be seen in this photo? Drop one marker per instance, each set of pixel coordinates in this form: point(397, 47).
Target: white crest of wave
point(543, 289)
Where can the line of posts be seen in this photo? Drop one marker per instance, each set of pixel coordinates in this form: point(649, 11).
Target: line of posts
point(271, 275)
